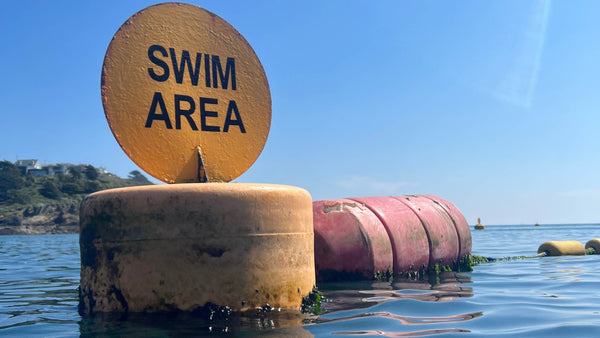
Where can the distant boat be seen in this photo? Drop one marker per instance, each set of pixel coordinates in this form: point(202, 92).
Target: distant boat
point(479, 226)
point(537, 224)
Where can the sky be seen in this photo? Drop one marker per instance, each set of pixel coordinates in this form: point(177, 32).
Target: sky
point(492, 105)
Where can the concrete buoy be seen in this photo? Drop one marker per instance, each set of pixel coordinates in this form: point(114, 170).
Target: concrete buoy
point(479, 226)
point(423, 231)
point(178, 247)
point(593, 244)
point(562, 248)
point(350, 241)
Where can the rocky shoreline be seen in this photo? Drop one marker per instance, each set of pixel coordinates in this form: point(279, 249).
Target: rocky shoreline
point(58, 218)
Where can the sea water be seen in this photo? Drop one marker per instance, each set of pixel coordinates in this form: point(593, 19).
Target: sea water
point(535, 297)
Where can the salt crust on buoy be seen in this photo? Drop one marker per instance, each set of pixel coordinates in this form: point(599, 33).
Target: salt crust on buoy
point(178, 247)
point(562, 248)
point(593, 243)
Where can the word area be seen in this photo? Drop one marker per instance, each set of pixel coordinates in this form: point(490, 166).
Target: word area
point(203, 69)
point(185, 106)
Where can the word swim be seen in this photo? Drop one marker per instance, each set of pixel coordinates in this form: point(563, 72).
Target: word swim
point(212, 66)
point(185, 107)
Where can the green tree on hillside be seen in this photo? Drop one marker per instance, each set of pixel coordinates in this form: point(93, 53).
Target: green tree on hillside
point(19, 189)
point(10, 176)
point(91, 186)
point(137, 176)
point(90, 172)
point(50, 190)
point(75, 174)
point(10, 180)
point(72, 188)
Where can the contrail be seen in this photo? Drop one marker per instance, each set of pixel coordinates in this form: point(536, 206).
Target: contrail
point(519, 83)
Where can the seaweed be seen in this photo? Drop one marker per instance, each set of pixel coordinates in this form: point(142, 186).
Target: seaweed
point(311, 303)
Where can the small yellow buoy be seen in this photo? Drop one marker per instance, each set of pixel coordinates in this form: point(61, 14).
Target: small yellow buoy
point(479, 226)
point(562, 248)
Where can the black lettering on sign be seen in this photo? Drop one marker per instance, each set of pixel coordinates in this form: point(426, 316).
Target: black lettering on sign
point(162, 64)
point(157, 99)
point(185, 107)
point(207, 113)
point(185, 60)
point(187, 113)
point(213, 69)
point(232, 108)
point(207, 70)
point(218, 70)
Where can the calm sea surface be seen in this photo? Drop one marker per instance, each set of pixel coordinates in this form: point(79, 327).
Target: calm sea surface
point(538, 297)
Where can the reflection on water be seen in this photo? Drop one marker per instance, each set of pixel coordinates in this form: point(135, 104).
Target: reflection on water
point(39, 277)
point(344, 302)
point(190, 325)
point(400, 334)
point(540, 297)
point(447, 287)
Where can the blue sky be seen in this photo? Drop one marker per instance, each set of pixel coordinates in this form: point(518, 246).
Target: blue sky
point(493, 105)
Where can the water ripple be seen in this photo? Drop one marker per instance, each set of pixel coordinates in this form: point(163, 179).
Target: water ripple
point(400, 334)
point(38, 294)
point(407, 320)
point(541, 297)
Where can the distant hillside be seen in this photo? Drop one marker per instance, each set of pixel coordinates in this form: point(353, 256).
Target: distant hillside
point(35, 203)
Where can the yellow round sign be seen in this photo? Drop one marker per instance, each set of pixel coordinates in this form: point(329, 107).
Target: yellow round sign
point(185, 95)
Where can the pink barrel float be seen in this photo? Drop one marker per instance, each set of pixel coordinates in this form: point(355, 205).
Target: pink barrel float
point(351, 242)
point(359, 237)
point(460, 223)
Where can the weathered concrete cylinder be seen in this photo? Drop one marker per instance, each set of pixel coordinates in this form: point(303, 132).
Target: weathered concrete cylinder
point(562, 248)
point(178, 247)
point(350, 241)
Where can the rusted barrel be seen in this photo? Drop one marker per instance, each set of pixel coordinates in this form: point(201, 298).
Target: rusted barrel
point(410, 246)
point(350, 241)
point(460, 224)
point(422, 230)
point(443, 240)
